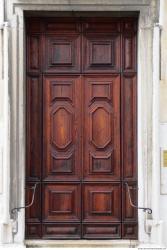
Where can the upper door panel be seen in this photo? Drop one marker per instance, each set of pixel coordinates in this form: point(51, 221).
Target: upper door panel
point(101, 53)
point(62, 53)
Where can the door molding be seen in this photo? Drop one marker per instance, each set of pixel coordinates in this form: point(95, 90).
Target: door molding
point(147, 17)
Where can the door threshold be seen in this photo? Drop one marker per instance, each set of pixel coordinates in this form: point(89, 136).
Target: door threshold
point(82, 243)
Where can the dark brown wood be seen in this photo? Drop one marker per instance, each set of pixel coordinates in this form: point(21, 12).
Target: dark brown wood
point(61, 128)
point(81, 128)
point(102, 128)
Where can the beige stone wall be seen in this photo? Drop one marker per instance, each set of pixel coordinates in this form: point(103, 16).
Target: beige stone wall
point(163, 51)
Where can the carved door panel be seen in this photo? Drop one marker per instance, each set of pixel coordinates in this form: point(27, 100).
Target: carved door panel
point(61, 154)
point(81, 128)
point(61, 128)
point(101, 162)
point(102, 128)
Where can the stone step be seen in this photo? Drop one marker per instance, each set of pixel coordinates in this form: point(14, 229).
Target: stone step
point(82, 243)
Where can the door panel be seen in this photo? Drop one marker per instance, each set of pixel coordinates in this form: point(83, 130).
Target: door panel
point(33, 55)
point(61, 202)
point(102, 25)
point(129, 133)
point(34, 120)
point(33, 231)
point(101, 53)
point(62, 53)
point(61, 231)
point(81, 128)
point(109, 231)
point(102, 128)
point(62, 128)
point(129, 230)
point(102, 203)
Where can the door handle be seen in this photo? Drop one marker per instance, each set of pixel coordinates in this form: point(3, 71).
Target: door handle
point(145, 209)
point(15, 210)
point(28, 205)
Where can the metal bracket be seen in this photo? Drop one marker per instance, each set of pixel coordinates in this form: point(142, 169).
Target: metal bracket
point(145, 209)
point(30, 204)
point(15, 211)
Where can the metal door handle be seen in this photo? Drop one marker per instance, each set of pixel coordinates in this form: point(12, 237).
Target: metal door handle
point(145, 209)
point(30, 204)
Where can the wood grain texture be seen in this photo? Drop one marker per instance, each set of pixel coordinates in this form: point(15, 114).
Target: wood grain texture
point(102, 128)
point(61, 128)
point(81, 128)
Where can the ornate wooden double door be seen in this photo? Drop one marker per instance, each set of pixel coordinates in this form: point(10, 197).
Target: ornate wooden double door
point(81, 128)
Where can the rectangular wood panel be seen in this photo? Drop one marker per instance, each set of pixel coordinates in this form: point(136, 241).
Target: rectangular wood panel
point(33, 55)
point(33, 231)
point(111, 231)
point(61, 203)
point(62, 53)
point(129, 128)
point(61, 231)
point(101, 202)
point(34, 120)
point(101, 53)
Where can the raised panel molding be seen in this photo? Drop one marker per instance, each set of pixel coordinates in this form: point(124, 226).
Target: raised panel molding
point(71, 26)
point(129, 47)
point(101, 202)
point(61, 202)
point(62, 90)
point(100, 126)
point(101, 53)
point(62, 53)
point(33, 159)
point(33, 231)
point(101, 91)
point(129, 230)
point(61, 231)
point(61, 127)
point(102, 164)
point(98, 26)
point(34, 53)
point(94, 231)
point(62, 164)
point(130, 128)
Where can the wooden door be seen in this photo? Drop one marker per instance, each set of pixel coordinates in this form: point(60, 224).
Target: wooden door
point(81, 128)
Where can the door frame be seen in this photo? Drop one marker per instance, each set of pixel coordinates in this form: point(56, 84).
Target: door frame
point(146, 122)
